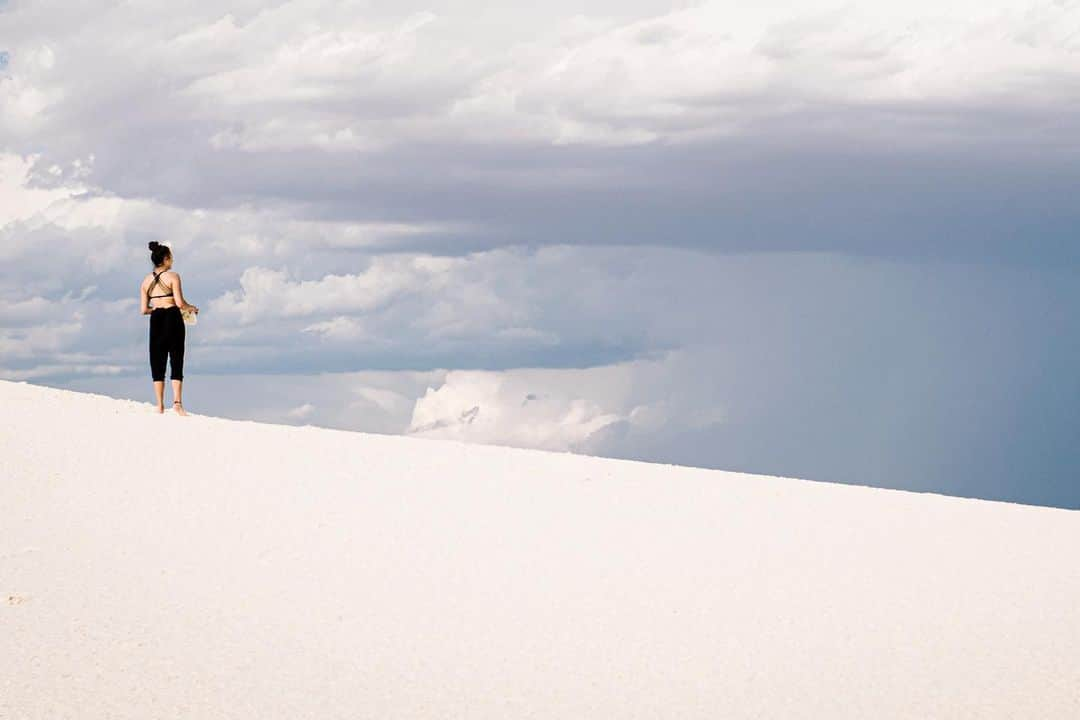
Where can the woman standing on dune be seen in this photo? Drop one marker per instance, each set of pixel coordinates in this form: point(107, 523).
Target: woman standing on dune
point(162, 298)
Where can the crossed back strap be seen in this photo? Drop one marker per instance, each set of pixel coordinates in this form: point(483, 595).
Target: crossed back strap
point(157, 281)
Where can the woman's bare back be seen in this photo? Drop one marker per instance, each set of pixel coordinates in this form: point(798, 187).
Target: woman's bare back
point(161, 294)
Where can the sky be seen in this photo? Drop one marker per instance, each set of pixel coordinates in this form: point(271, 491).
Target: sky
point(835, 241)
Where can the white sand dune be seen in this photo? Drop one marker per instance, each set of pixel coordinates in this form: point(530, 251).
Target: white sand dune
point(164, 567)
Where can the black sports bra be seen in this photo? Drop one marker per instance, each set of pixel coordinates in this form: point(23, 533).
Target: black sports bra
point(157, 281)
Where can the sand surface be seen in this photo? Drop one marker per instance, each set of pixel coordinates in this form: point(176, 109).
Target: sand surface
point(163, 567)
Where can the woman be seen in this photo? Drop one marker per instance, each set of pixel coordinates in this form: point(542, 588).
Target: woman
point(162, 299)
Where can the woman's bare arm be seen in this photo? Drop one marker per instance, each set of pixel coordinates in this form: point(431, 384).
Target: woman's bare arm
point(178, 294)
point(144, 301)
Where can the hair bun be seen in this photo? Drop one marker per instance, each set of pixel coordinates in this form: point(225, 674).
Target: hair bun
point(154, 244)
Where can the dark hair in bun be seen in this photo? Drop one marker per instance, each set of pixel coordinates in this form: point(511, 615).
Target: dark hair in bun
point(158, 252)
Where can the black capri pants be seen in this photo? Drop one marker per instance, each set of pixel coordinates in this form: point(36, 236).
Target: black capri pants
point(166, 343)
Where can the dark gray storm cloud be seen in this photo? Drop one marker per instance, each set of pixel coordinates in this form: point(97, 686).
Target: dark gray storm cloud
point(821, 129)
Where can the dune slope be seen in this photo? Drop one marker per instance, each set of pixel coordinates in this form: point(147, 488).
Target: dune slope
point(165, 567)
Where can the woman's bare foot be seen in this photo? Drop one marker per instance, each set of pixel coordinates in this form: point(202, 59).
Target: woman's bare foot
point(161, 408)
point(179, 408)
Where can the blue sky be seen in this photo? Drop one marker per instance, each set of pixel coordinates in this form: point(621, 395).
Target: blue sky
point(831, 241)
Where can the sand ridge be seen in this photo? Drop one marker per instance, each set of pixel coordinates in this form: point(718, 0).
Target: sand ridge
point(158, 566)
